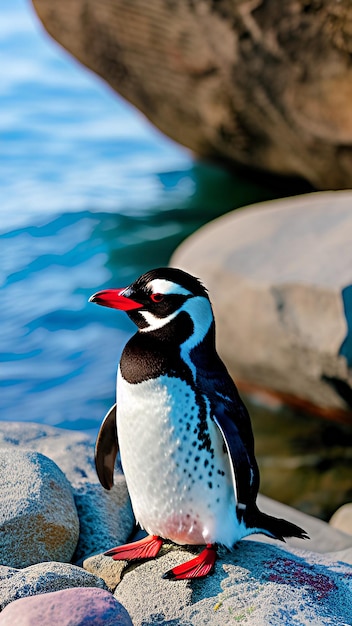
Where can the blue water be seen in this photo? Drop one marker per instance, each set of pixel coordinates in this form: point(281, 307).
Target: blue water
point(90, 195)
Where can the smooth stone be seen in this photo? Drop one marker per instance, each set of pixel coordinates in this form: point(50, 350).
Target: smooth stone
point(38, 517)
point(279, 275)
point(104, 566)
point(105, 517)
point(69, 607)
point(43, 578)
point(257, 584)
point(342, 518)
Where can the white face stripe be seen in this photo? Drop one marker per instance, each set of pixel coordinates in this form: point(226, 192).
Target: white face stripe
point(156, 322)
point(161, 285)
point(200, 312)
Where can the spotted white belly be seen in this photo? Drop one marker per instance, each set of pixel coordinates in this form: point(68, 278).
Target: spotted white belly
point(179, 490)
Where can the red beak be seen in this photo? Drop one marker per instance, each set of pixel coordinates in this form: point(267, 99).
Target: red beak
point(114, 299)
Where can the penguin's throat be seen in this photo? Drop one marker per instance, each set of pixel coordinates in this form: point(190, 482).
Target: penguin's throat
point(171, 349)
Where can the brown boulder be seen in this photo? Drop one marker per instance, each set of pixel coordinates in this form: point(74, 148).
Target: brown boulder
point(262, 84)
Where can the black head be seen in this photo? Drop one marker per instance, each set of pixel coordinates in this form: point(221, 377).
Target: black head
point(158, 296)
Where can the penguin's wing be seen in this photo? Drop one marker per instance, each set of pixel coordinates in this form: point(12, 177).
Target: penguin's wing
point(244, 469)
point(106, 449)
point(232, 418)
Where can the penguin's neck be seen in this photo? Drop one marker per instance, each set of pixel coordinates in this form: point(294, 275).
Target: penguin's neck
point(168, 350)
point(157, 352)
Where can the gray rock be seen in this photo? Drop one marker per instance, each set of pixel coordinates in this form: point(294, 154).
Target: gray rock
point(43, 578)
point(257, 584)
point(322, 538)
point(106, 518)
point(68, 607)
point(104, 566)
point(71, 450)
point(280, 279)
point(342, 518)
point(38, 517)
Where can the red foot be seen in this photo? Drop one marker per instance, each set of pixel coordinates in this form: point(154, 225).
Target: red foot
point(146, 548)
point(198, 567)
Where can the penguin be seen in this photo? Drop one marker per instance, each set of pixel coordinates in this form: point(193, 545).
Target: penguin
point(184, 434)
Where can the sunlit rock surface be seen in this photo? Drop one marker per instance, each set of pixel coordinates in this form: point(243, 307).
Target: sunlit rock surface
point(38, 517)
point(256, 584)
point(264, 84)
point(261, 580)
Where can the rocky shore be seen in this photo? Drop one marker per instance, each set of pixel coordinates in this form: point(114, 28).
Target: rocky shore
point(56, 520)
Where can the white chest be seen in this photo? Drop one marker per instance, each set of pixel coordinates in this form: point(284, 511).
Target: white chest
point(179, 488)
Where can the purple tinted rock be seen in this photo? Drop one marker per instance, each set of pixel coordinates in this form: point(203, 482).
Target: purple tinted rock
point(80, 606)
point(43, 578)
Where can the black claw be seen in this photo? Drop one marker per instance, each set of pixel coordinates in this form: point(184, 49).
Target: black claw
point(169, 575)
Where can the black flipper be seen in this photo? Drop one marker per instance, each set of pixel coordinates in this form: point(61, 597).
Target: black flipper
point(244, 476)
point(106, 449)
point(231, 417)
point(244, 469)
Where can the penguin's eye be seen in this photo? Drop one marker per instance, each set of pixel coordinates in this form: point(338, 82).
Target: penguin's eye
point(157, 297)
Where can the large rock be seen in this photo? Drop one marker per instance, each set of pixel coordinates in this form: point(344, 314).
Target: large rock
point(323, 538)
point(257, 584)
point(42, 578)
point(69, 607)
point(279, 275)
point(106, 518)
point(265, 84)
point(38, 517)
